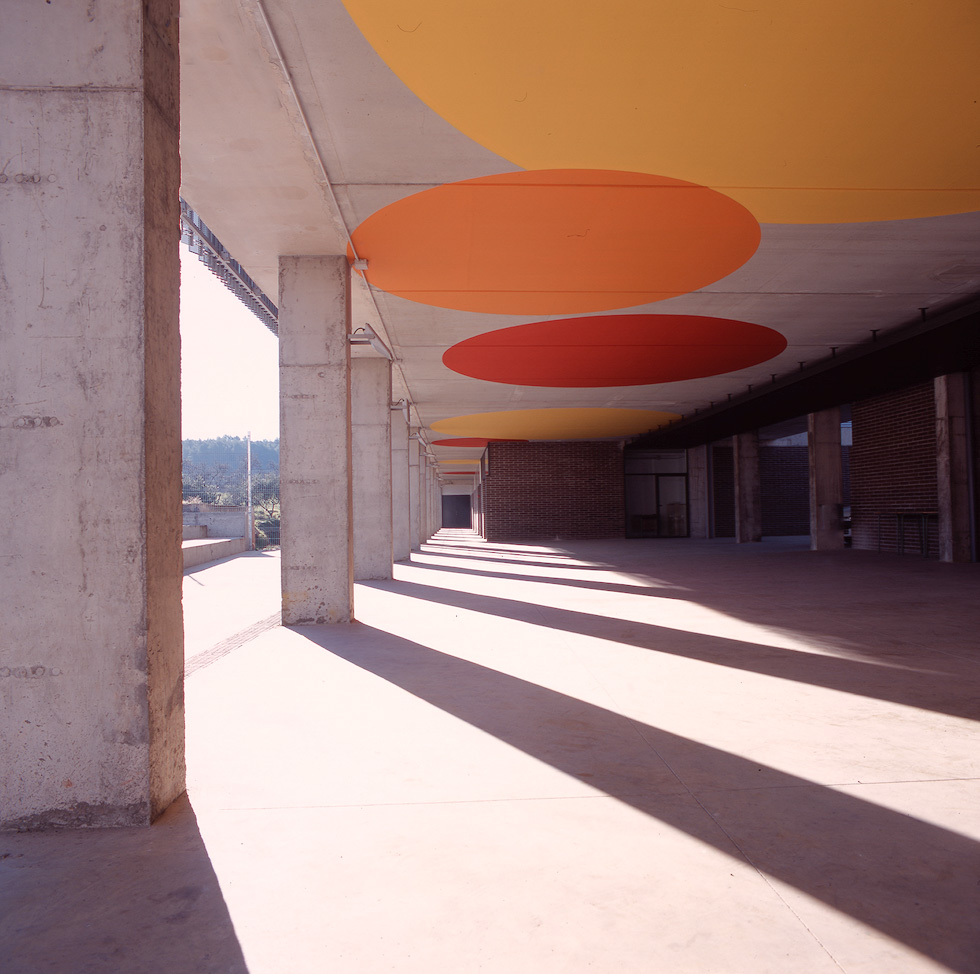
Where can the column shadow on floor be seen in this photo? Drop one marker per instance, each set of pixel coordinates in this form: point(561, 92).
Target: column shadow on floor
point(942, 688)
point(133, 900)
point(910, 880)
point(656, 589)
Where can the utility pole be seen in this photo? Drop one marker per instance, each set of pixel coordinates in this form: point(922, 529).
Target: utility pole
point(248, 478)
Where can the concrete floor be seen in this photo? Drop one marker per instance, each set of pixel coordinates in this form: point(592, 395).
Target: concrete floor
point(644, 756)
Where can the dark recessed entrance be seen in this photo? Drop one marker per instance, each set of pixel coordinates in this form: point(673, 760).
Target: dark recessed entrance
point(656, 494)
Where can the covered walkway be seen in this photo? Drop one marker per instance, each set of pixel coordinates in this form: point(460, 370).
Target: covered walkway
point(647, 756)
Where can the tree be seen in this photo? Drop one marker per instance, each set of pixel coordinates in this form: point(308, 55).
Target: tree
point(265, 501)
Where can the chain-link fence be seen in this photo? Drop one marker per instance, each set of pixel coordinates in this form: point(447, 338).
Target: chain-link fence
point(216, 495)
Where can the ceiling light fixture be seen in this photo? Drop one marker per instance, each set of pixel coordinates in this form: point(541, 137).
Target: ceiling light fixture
point(368, 336)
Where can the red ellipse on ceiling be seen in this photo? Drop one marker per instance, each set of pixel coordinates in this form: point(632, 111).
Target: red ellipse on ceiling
point(614, 350)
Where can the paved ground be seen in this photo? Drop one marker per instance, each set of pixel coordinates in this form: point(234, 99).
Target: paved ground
point(644, 756)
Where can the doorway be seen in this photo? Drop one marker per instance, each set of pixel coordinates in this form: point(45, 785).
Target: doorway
point(456, 511)
point(656, 495)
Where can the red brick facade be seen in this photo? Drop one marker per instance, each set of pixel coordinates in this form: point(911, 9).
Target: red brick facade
point(554, 491)
point(893, 468)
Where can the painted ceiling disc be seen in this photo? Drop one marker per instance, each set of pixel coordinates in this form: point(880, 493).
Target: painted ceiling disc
point(555, 242)
point(614, 350)
point(556, 424)
point(830, 112)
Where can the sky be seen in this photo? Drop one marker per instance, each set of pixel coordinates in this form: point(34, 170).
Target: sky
point(229, 361)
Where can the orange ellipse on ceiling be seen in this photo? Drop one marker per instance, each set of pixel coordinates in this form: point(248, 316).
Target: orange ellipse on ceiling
point(555, 242)
point(614, 350)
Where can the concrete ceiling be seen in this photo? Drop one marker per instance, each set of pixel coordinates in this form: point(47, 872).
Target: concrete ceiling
point(294, 132)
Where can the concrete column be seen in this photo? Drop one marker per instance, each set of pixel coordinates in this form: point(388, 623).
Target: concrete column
point(431, 485)
point(425, 500)
point(748, 489)
point(826, 481)
point(435, 493)
point(315, 440)
point(414, 492)
point(371, 449)
point(953, 467)
point(436, 499)
point(401, 542)
point(698, 486)
point(91, 660)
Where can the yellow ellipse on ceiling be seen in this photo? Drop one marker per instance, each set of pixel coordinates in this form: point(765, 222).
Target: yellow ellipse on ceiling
point(556, 424)
point(831, 112)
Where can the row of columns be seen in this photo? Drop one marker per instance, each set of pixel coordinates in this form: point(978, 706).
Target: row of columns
point(357, 493)
point(826, 477)
point(826, 484)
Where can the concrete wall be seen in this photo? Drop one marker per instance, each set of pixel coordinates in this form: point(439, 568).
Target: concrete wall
point(219, 524)
point(91, 659)
point(205, 550)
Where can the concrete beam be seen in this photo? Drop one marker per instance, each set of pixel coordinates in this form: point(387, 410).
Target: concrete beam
point(91, 665)
point(748, 488)
point(315, 440)
point(826, 481)
point(371, 449)
point(953, 461)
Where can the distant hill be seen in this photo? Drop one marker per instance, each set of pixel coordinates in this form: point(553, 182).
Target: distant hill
point(230, 450)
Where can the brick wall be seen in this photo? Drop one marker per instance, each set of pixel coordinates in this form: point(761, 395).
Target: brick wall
point(784, 475)
point(554, 491)
point(893, 467)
